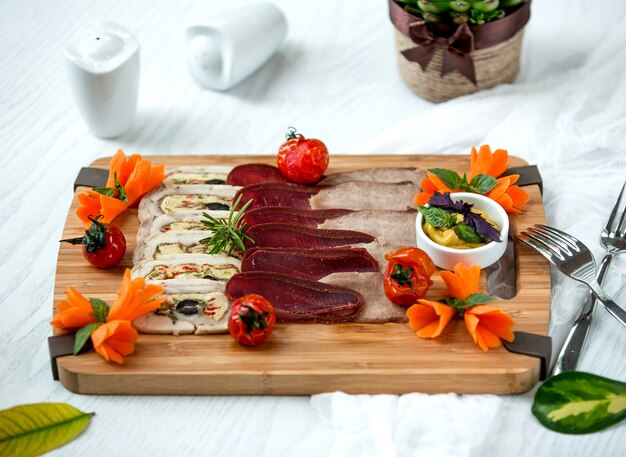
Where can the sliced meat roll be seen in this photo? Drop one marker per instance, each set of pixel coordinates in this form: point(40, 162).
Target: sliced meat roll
point(166, 245)
point(213, 175)
point(199, 310)
point(181, 222)
point(188, 270)
point(199, 198)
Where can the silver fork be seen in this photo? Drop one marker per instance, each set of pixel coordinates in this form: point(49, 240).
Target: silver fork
point(572, 258)
point(613, 238)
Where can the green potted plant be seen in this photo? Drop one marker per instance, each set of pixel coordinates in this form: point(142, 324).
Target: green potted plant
point(452, 48)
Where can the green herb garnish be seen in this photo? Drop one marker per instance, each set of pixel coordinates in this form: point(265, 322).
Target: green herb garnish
point(480, 184)
point(117, 191)
point(228, 233)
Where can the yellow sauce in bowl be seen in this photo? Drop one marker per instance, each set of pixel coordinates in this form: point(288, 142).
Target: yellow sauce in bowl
point(448, 237)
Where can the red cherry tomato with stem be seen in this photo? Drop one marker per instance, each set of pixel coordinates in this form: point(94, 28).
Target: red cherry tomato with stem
point(302, 160)
point(251, 320)
point(407, 277)
point(104, 245)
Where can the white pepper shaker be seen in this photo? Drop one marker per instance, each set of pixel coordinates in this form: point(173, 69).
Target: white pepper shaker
point(232, 45)
point(102, 63)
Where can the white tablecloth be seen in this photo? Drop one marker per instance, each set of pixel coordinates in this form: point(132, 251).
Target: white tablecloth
point(335, 79)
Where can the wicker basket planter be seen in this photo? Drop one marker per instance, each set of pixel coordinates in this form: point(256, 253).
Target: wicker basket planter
point(440, 63)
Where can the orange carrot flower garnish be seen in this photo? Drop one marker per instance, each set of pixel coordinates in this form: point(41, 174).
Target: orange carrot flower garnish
point(75, 312)
point(114, 340)
point(110, 328)
point(484, 178)
point(129, 180)
point(486, 324)
point(134, 299)
point(429, 318)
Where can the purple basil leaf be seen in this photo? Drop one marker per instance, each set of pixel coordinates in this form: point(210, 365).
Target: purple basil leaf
point(482, 227)
point(444, 201)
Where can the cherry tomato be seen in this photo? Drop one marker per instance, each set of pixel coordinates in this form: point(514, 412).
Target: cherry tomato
point(104, 245)
point(302, 160)
point(251, 320)
point(407, 277)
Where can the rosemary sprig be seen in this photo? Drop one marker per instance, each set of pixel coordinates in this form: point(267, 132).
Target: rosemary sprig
point(229, 233)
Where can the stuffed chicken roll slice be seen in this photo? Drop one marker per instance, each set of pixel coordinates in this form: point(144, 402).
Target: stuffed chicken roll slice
point(166, 200)
point(213, 175)
point(188, 270)
point(188, 310)
point(169, 244)
point(180, 222)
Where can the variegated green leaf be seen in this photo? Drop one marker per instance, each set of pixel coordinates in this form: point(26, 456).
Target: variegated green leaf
point(31, 430)
point(575, 402)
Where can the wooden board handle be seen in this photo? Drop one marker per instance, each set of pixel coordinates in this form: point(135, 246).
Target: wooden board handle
point(534, 345)
point(528, 175)
point(91, 177)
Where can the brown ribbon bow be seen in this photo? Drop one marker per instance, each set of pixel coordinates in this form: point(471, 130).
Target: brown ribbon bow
point(456, 49)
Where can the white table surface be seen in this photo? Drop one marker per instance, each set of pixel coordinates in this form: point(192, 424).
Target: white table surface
point(335, 79)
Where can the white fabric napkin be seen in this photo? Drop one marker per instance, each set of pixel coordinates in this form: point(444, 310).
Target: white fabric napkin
point(567, 114)
point(408, 425)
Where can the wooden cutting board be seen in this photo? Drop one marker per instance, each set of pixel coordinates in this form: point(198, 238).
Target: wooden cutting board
point(305, 359)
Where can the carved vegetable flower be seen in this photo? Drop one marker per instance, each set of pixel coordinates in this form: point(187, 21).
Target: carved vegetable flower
point(484, 178)
point(110, 328)
point(129, 180)
point(486, 324)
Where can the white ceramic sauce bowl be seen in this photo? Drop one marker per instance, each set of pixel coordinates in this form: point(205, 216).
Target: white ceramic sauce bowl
point(446, 258)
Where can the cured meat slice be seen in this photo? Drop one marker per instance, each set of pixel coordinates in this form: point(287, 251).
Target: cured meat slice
point(292, 236)
point(377, 309)
point(307, 263)
point(303, 218)
point(254, 173)
point(388, 175)
point(258, 173)
point(349, 195)
point(298, 299)
point(396, 227)
point(278, 194)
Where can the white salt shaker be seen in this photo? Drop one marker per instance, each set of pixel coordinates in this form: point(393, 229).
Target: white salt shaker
point(233, 44)
point(102, 63)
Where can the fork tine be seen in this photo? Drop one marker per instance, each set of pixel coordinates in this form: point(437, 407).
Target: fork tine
point(610, 223)
point(523, 237)
point(548, 237)
point(546, 244)
point(621, 230)
point(566, 237)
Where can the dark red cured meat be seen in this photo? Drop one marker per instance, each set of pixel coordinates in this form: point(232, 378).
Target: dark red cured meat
point(277, 194)
point(308, 263)
point(292, 236)
point(298, 299)
point(303, 218)
point(254, 173)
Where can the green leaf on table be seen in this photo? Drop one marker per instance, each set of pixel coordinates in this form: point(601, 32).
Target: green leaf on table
point(106, 191)
point(34, 429)
point(437, 217)
point(575, 403)
point(450, 178)
point(482, 183)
